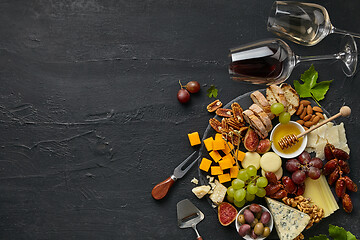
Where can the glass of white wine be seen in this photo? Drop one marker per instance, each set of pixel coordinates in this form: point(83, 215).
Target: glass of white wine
point(304, 23)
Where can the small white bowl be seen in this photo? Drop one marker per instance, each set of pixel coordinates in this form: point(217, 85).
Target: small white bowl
point(297, 152)
point(270, 224)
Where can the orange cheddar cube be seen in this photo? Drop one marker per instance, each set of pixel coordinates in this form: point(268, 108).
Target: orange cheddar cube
point(205, 164)
point(194, 138)
point(218, 143)
point(239, 155)
point(215, 156)
point(216, 170)
point(234, 171)
point(229, 156)
point(228, 148)
point(209, 143)
point(224, 178)
point(225, 164)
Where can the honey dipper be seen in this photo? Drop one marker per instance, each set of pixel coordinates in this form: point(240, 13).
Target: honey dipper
point(291, 139)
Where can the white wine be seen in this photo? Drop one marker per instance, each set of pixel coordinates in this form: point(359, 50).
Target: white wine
point(303, 23)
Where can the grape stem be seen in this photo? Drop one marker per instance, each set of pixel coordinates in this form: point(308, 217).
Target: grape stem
point(181, 86)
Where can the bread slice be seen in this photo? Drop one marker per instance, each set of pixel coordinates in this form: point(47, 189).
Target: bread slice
point(275, 94)
point(259, 99)
point(260, 113)
point(255, 123)
point(292, 98)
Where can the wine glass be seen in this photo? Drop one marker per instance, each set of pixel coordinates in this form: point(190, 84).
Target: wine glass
point(272, 61)
point(303, 23)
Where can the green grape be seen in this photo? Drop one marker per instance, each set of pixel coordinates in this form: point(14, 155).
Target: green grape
point(249, 197)
point(284, 117)
point(240, 203)
point(237, 184)
point(261, 182)
point(277, 108)
point(239, 195)
point(252, 188)
point(251, 170)
point(230, 191)
point(243, 175)
point(230, 199)
point(261, 192)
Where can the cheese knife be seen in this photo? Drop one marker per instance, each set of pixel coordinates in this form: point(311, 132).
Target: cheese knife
point(161, 189)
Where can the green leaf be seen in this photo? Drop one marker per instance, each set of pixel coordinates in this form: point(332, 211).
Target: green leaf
point(320, 89)
point(309, 87)
point(212, 92)
point(350, 236)
point(337, 233)
point(320, 237)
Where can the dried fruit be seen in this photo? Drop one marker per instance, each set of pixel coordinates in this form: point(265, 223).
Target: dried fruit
point(340, 154)
point(226, 213)
point(347, 203)
point(329, 167)
point(272, 189)
point(350, 185)
point(340, 188)
point(289, 185)
point(251, 140)
point(328, 151)
point(263, 146)
point(334, 176)
point(279, 194)
point(344, 166)
point(271, 177)
point(214, 105)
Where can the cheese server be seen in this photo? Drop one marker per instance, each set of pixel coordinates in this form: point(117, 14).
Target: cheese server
point(161, 189)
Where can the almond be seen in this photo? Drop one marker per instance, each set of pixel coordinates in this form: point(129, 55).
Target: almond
point(308, 124)
point(312, 117)
point(309, 110)
point(316, 119)
point(307, 118)
point(301, 122)
point(317, 109)
point(303, 114)
point(300, 109)
point(320, 115)
point(305, 102)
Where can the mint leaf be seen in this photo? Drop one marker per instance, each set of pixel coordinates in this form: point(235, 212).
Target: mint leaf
point(309, 87)
point(212, 92)
point(320, 89)
point(337, 233)
point(320, 237)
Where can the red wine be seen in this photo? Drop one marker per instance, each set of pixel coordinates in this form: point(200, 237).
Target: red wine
point(260, 63)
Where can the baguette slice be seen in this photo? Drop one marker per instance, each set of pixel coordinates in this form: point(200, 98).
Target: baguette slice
point(259, 99)
point(292, 98)
point(255, 123)
point(274, 94)
point(260, 113)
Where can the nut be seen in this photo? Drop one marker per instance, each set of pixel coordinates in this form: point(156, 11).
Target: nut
point(303, 114)
point(308, 124)
point(317, 109)
point(300, 109)
point(307, 118)
point(316, 119)
point(312, 118)
point(215, 124)
point(309, 110)
point(237, 111)
point(223, 112)
point(214, 105)
point(320, 115)
point(301, 122)
point(232, 122)
point(305, 102)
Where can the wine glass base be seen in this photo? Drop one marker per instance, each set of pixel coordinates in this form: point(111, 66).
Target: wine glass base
point(348, 55)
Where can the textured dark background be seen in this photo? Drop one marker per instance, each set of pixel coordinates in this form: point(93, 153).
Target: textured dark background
point(89, 120)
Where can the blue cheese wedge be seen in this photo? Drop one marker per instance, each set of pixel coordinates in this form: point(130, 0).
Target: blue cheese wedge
point(289, 222)
point(219, 193)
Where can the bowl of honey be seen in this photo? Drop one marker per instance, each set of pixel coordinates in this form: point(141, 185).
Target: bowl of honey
point(282, 130)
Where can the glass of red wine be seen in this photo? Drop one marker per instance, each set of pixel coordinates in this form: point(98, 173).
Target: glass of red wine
point(272, 61)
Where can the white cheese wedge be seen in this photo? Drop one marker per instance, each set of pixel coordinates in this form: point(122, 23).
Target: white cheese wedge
point(289, 222)
point(219, 193)
point(201, 191)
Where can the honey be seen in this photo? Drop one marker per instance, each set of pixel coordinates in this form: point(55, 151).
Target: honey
point(281, 131)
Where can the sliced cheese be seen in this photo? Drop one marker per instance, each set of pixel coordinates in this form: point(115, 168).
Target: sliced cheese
point(219, 193)
point(201, 191)
point(289, 222)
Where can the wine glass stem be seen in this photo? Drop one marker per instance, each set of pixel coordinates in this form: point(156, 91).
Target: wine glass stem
point(344, 32)
point(316, 58)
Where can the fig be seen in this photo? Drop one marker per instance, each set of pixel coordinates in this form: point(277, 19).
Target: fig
point(251, 140)
point(226, 213)
point(263, 146)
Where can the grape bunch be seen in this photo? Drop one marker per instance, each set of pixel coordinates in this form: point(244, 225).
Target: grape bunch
point(278, 110)
point(336, 167)
point(304, 166)
point(246, 186)
point(183, 94)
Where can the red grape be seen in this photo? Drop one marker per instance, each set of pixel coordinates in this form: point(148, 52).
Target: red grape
point(193, 86)
point(316, 162)
point(304, 157)
point(298, 177)
point(314, 173)
point(183, 96)
point(300, 189)
point(292, 165)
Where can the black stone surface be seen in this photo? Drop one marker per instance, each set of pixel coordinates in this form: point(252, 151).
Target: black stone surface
point(89, 120)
